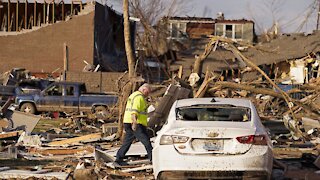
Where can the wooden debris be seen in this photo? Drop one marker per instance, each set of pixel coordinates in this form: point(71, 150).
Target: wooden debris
point(103, 156)
point(4, 124)
point(84, 174)
point(138, 168)
point(61, 151)
point(204, 86)
point(118, 175)
point(287, 153)
point(211, 46)
point(71, 141)
point(4, 135)
point(4, 108)
point(24, 174)
point(232, 85)
point(180, 73)
point(311, 123)
point(54, 136)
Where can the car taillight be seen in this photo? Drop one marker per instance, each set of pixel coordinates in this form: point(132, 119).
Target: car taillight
point(167, 139)
point(253, 139)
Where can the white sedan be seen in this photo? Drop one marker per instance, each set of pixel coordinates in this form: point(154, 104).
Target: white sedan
point(214, 138)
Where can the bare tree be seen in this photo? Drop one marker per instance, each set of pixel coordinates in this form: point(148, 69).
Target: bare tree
point(131, 62)
point(272, 9)
point(150, 12)
point(127, 39)
point(314, 8)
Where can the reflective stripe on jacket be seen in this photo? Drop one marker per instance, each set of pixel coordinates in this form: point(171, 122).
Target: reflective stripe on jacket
point(136, 104)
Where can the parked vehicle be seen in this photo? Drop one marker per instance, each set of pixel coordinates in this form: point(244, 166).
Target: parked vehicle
point(213, 138)
point(64, 97)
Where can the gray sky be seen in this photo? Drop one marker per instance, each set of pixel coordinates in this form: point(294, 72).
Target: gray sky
point(290, 14)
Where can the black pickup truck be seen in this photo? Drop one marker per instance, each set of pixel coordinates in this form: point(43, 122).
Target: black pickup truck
point(64, 97)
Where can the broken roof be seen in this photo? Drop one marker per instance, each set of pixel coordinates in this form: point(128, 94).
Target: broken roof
point(233, 21)
point(210, 20)
point(285, 47)
point(190, 18)
point(49, 1)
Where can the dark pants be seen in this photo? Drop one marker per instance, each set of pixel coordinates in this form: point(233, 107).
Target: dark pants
point(140, 134)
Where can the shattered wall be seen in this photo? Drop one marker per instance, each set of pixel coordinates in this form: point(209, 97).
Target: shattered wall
point(109, 49)
point(29, 13)
point(42, 50)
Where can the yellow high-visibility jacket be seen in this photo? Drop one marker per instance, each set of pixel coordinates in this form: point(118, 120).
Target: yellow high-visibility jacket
point(136, 104)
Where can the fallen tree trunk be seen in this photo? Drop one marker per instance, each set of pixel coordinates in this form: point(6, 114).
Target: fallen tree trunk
point(225, 84)
point(211, 46)
point(204, 86)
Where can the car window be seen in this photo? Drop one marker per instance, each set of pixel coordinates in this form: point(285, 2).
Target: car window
point(234, 114)
point(83, 89)
point(70, 90)
point(55, 90)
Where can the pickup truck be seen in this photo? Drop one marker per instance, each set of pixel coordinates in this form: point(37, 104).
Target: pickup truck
point(64, 97)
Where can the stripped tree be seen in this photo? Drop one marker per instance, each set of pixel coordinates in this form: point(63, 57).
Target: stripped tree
point(127, 89)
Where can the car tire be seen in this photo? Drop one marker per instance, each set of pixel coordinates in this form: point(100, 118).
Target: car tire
point(101, 111)
point(28, 108)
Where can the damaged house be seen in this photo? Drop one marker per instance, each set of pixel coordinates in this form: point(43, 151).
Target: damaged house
point(292, 57)
point(198, 27)
point(188, 36)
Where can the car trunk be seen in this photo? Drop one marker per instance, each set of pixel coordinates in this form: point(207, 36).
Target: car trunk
point(218, 140)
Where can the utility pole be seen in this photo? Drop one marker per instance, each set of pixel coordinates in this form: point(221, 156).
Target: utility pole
point(318, 15)
point(65, 61)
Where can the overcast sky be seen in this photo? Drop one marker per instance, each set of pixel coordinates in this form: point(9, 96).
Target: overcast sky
point(290, 14)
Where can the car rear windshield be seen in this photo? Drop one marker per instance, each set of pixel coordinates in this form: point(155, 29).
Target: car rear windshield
point(213, 113)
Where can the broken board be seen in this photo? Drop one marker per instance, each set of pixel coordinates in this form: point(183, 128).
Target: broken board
point(22, 121)
point(71, 141)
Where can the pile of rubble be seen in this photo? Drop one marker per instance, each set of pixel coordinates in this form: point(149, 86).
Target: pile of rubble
point(84, 147)
point(80, 148)
point(288, 104)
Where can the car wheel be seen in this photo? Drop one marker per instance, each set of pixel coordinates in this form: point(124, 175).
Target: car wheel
point(101, 111)
point(28, 108)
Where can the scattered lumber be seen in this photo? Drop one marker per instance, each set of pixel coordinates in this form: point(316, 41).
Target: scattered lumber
point(61, 151)
point(71, 141)
point(24, 174)
point(4, 135)
point(253, 89)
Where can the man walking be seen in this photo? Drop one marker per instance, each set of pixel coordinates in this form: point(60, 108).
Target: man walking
point(135, 123)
